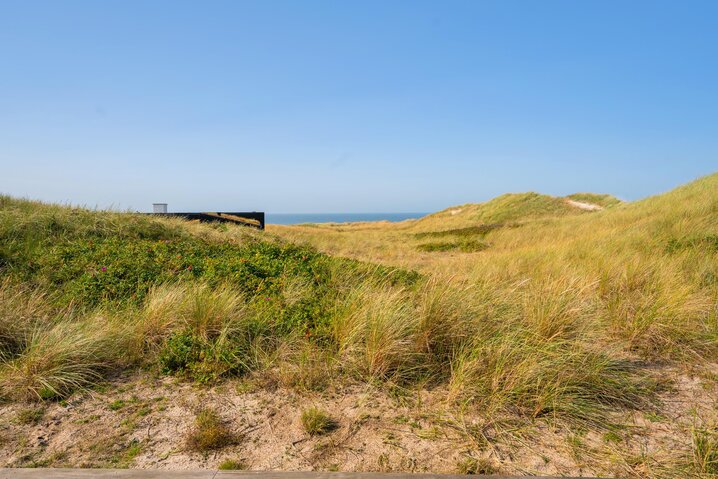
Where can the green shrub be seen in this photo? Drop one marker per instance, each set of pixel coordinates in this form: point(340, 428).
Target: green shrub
point(117, 269)
point(200, 359)
point(181, 351)
point(118, 257)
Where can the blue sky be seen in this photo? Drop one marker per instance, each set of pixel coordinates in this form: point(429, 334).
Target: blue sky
point(319, 106)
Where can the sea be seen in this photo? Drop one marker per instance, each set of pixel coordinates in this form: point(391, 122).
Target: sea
point(299, 218)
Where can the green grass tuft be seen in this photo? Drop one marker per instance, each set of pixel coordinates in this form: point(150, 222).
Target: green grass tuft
point(473, 466)
point(209, 432)
point(317, 422)
point(705, 450)
point(232, 465)
point(30, 416)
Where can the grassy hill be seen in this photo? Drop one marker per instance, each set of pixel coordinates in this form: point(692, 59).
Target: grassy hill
point(88, 294)
point(636, 281)
point(600, 325)
point(511, 208)
point(80, 289)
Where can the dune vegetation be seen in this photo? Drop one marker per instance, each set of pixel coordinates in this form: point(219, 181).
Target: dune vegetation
point(634, 283)
point(516, 315)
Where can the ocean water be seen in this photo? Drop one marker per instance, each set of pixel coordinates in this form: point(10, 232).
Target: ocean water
point(293, 219)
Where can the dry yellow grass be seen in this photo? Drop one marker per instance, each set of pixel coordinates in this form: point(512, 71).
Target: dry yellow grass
point(643, 273)
point(580, 295)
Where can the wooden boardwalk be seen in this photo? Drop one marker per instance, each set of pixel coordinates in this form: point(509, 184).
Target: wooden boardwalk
point(42, 473)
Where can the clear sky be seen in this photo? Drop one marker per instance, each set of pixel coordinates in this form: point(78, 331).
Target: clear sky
point(353, 106)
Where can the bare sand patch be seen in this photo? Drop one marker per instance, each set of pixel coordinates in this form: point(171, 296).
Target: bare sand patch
point(142, 422)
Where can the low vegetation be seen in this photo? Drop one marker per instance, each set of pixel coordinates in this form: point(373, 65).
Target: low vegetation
point(31, 415)
point(521, 310)
point(473, 466)
point(316, 422)
point(705, 450)
point(210, 432)
point(232, 465)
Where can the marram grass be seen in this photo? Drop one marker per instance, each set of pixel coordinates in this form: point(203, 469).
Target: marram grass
point(551, 320)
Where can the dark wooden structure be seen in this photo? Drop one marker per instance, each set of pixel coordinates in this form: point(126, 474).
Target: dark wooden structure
point(254, 219)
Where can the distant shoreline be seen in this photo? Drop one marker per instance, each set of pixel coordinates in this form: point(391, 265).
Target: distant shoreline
point(299, 218)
